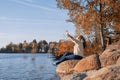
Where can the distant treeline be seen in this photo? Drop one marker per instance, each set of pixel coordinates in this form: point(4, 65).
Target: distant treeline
point(33, 47)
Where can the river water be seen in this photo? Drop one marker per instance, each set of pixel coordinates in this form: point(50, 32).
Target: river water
point(27, 67)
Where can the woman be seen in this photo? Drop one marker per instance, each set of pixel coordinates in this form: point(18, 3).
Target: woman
point(78, 52)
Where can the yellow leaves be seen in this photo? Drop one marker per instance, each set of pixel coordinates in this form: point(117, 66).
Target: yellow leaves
point(97, 12)
point(67, 46)
point(79, 8)
point(66, 3)
point(106, 1)
point(91, 4)
point(64, 46)
point(96, 2)
point(117, 26)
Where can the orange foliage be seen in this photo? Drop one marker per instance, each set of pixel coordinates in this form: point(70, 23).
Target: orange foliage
point(85, 13)
point(91, 48)
point(67, 46)
point(97, 14)
point(64, 46)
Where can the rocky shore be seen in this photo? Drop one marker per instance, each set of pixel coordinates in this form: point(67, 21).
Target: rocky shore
point(105, 66)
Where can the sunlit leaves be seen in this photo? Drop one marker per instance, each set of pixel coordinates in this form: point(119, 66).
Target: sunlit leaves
point(89, 13)
point(64, 46)
point(97, 14)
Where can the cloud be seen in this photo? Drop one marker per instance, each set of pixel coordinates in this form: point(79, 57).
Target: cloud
point(9, 20)
point(32, 4)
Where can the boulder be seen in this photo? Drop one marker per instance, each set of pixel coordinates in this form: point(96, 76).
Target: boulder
point(110, 55)
point(66, 67)
point(78, 76)
point(89, 63)
point(118, 61)
point(75, 76)
point(114, 46)
point(94, 67)
point(107, 73)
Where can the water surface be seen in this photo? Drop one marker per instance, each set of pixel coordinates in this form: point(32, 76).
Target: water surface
point(27, 67)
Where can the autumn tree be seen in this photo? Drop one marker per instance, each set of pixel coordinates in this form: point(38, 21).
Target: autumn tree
point(52, 47)
point(93, 15)
point(64, 46)
point(43, 46)
point(25, 46)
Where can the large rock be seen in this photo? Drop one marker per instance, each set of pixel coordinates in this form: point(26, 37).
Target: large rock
point(89, 63)
point(118, 61)
point(78, 76)
point(106, 73)
point(66, 67)
point(110, 55)
point(75, 76)
point(94, 67)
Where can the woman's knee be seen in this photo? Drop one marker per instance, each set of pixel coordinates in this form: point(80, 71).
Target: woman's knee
point(78, 57)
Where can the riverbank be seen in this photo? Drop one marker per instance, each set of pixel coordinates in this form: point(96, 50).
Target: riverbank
point(105, 66)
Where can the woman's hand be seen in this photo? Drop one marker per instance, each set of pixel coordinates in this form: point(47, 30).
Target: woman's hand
point(67, 33)
point(69, 36)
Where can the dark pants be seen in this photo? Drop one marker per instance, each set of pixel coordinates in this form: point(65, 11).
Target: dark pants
point(68, 56)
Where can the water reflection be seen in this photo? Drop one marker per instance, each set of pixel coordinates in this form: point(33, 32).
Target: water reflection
point(25, 57)
point(27, 67)
point(33, 59)
point(42, 67)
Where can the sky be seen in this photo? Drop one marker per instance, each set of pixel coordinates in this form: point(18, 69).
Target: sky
point(32, 19)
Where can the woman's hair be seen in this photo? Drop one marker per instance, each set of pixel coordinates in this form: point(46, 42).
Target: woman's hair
point(80, 37)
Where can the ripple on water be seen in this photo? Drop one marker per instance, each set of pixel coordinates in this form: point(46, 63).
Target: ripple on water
point(27, 67)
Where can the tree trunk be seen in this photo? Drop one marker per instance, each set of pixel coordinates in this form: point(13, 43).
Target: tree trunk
point(101, 28)
point(102, 36)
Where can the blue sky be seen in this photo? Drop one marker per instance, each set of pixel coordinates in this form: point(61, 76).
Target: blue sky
point(32, 19)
